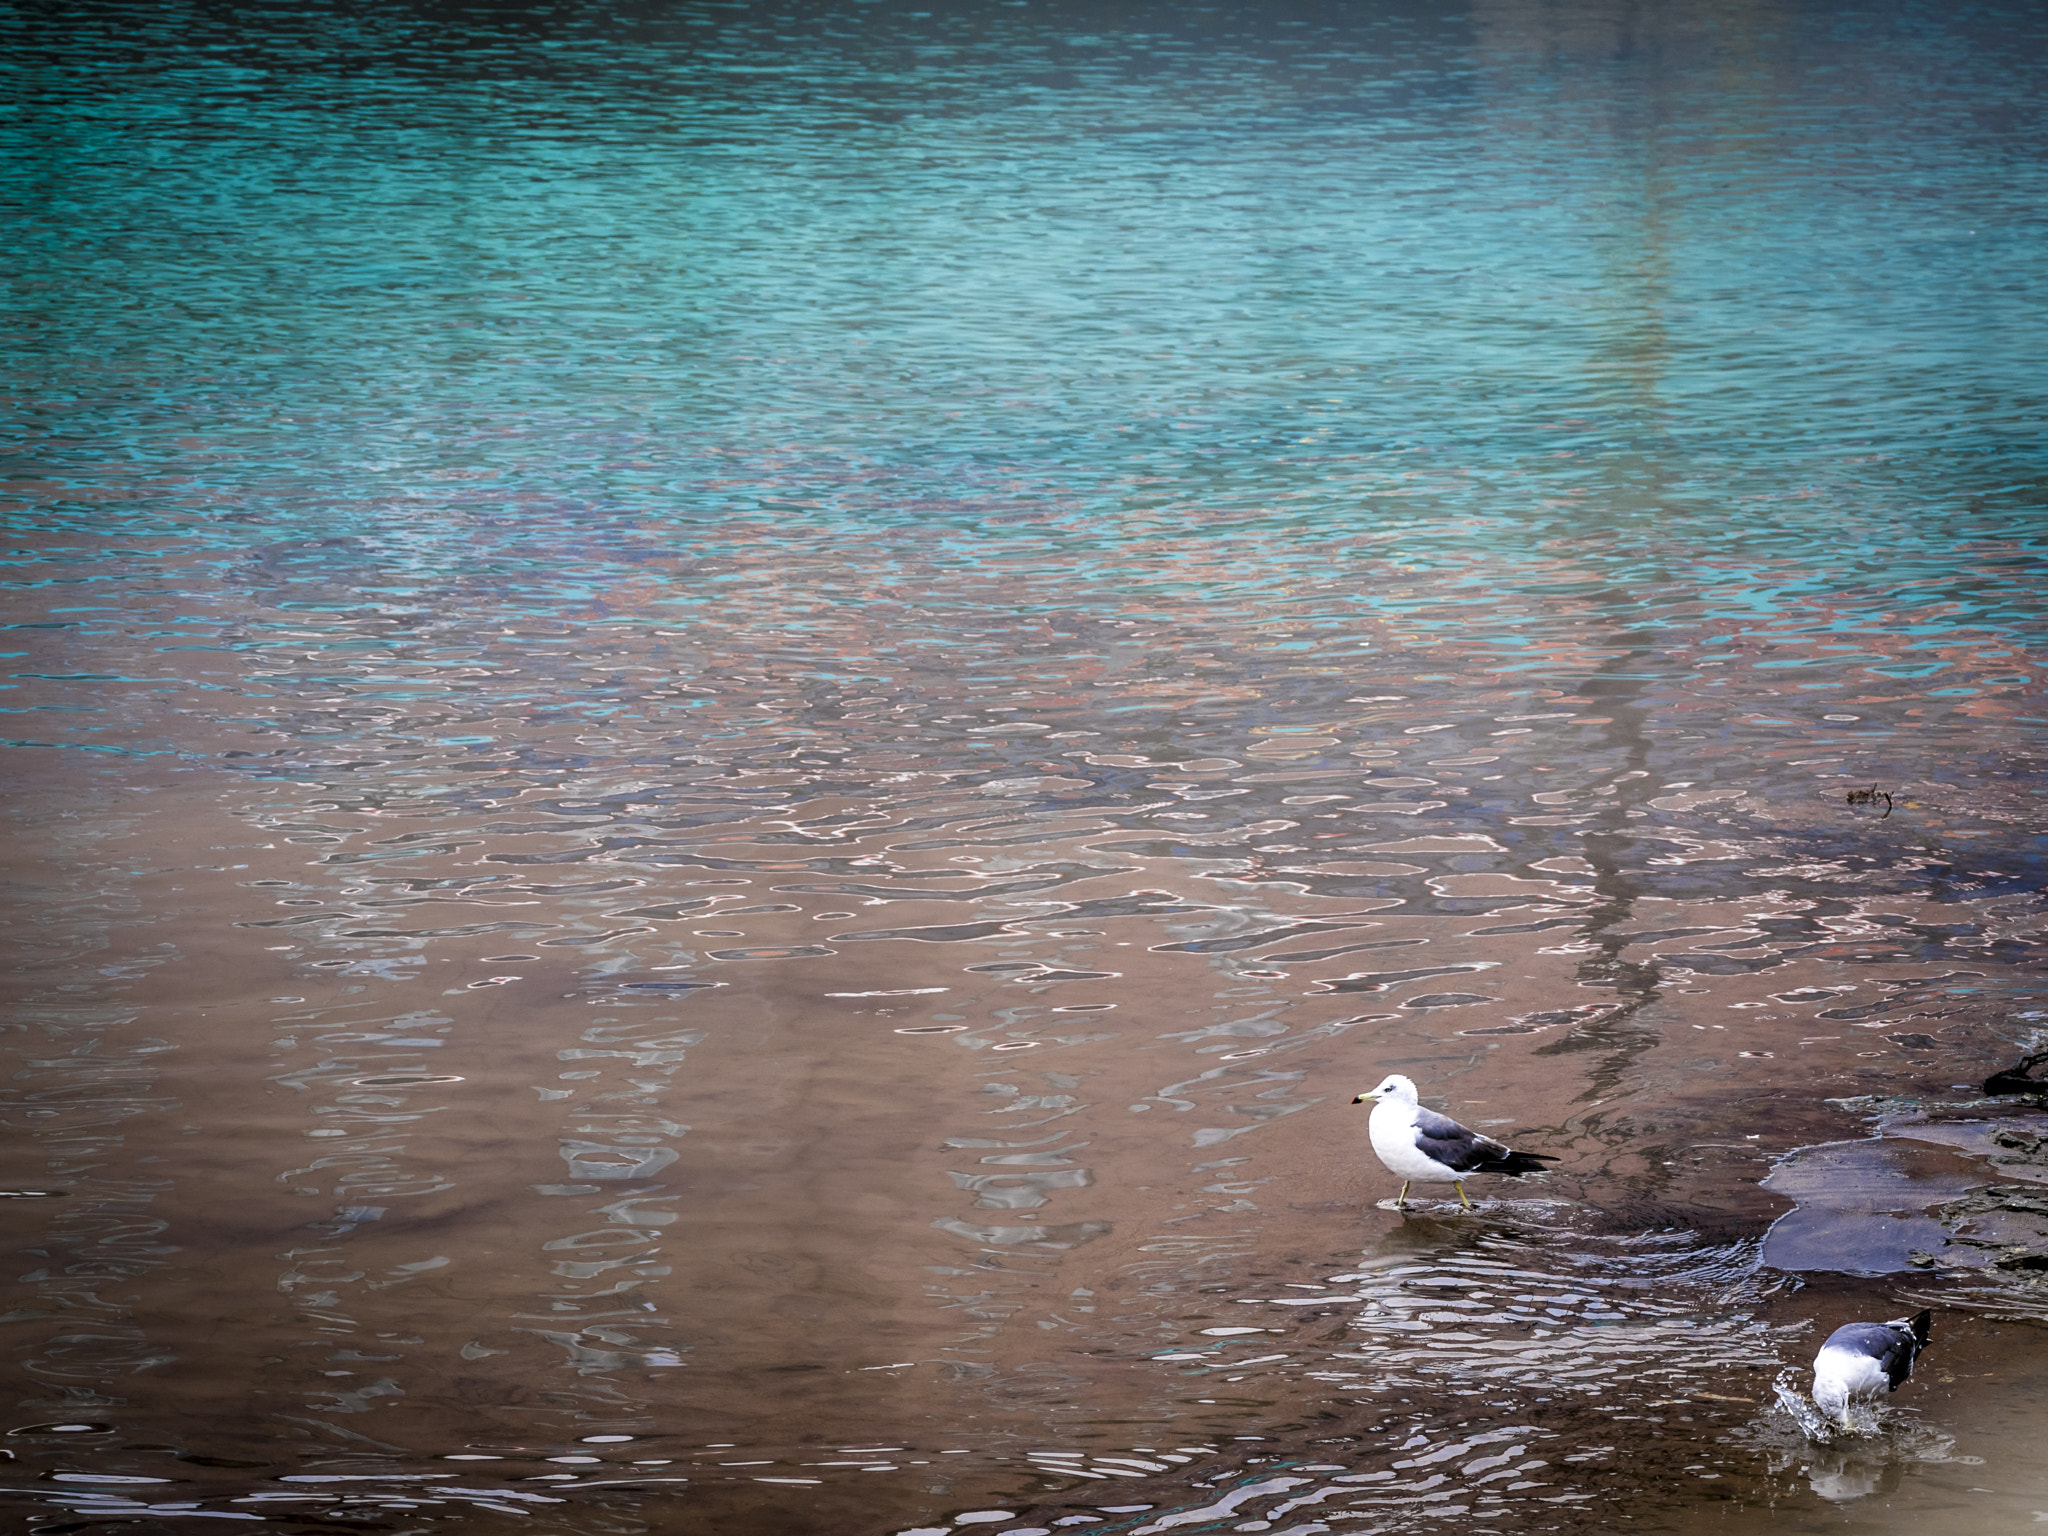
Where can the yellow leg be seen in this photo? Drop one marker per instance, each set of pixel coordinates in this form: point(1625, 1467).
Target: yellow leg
point(1459, 1186)
point(1401, 1200)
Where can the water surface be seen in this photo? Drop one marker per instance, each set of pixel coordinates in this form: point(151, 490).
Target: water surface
point(734, 725)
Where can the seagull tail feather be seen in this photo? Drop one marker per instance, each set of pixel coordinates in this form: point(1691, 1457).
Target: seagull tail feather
point(1513, 1163)
point(1919, 1325)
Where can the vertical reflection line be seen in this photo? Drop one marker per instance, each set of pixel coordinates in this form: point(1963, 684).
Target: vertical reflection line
point(1633, 365)
point(1635, 984)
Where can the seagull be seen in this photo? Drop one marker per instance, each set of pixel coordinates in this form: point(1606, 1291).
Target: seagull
point(1862, 1361)
point(1419, 1143)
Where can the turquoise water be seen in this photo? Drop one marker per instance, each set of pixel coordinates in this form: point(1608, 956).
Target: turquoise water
point(489, 469)
point(1596, 343)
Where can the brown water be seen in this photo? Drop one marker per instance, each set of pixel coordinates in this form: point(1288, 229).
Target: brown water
point(729, 745)
point(864, 1161)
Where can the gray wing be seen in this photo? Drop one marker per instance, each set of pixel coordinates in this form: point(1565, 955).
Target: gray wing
point(1441, 1137)
point(1892, 1348)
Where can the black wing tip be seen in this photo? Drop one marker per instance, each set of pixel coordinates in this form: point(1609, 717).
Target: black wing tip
point(1517, 1162)
point(1899, 1356)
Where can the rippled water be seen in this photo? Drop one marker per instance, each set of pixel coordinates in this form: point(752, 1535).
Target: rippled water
point(620, 612)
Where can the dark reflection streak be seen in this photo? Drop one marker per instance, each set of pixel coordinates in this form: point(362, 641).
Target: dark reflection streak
point(1640, 356)
point(1304, 956)
point(1635, 983)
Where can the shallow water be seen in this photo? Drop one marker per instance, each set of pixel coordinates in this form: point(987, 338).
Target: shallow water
point(622, 614)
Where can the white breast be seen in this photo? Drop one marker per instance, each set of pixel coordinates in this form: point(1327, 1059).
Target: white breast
point(1843, 1376)
point(1393, 1138)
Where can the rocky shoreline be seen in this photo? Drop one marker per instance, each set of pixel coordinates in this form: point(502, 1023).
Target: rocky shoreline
point(2003, 1226)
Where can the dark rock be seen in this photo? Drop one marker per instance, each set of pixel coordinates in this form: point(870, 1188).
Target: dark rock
point(2018, 1079)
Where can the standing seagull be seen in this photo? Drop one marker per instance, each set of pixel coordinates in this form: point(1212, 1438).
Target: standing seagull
point(1862, 1361)
point(1419, 1143)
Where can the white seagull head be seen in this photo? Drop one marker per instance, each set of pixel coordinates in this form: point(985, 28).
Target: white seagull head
point(1395, 1087)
